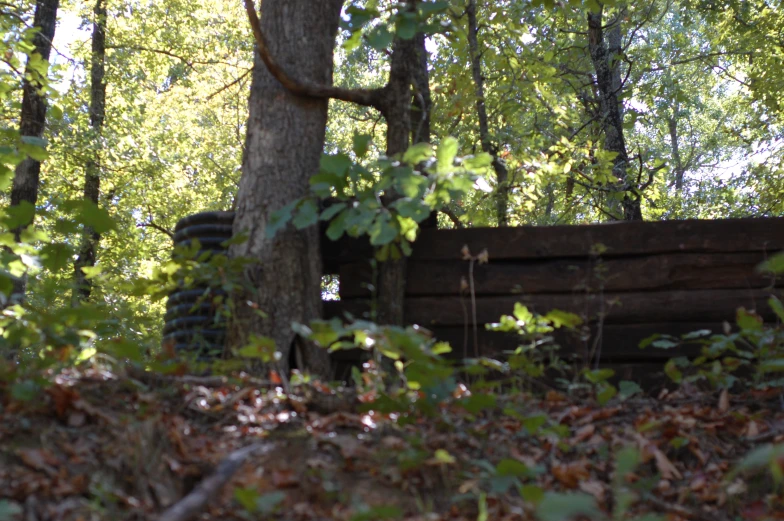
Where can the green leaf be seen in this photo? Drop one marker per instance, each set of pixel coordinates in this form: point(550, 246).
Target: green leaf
point(758, 458)
point(412, 208)
point(772, 366)
point(9, 510)
point(337, 227)
point(280, 218)
point(532, 494)
point(418, 153)
point(406, 26)
point(664, 344)
point(337, 164)
point(773, 265)
point(269, 502)
point(626, 461)
point(429, 8)
point(512, 467)
point(25, 391)
point(446, 154)
point(672, 371)
point(596, 376)
point(628, 389)
point(307, 214)
point(748, 321)
point(479, 402)
point(247, 498)
point(19, 215)
point(380, 37)
point(382, 231)
point(606, 393)
point(562, 318)
point(260, 347)
point(777, 307)
point(444, 457)
point(332, 210)
point(562, 507)
point(56, 257)
point(89, 214)
point(361, 143)
point(378, 512)
point(477, 162)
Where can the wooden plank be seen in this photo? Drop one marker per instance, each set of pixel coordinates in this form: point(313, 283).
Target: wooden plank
point(623, 238)
point(619, 341)
point(634, 307)
point(619, 239)
point(618, 308)
point(639, 273)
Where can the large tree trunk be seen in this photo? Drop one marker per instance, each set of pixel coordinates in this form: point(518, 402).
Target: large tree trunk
point(92, 180)
point(33, 118)
point(285, 139)
point(606, 62)
point(501, 173)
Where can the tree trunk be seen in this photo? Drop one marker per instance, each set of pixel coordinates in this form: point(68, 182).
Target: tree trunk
point(608, 79)
point(423, 103)
point(285, 139)
point(33, 118)
point(92, 180)
point(396, 109)
point(501, 173)
point(680, 169)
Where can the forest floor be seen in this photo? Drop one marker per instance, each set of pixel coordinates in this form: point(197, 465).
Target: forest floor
point(98, 445)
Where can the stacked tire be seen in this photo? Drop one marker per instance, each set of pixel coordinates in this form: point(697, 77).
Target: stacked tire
point(193, 322)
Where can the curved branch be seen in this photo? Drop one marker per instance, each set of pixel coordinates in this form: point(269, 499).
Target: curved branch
point(366, 97)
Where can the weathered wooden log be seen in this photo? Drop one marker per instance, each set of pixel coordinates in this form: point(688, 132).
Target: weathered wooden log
point(617, 308)
point(677, 271)
point(616, 239)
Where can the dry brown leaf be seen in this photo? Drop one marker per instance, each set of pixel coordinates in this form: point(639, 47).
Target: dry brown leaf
point(39, 459)
point(752, 429)
point(595, 488)
point(724, 401)
point(571, 474)
point(665, 466)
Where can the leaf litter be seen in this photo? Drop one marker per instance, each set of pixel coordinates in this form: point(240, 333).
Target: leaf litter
point(99, 445)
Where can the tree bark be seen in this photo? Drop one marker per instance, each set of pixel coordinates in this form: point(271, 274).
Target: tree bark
point(396, 109)
point(285, 139)
point(606, 62)
point(423, 103)
point(33, 118)
point(680, 169)
point(92, 179)
point(501, 173)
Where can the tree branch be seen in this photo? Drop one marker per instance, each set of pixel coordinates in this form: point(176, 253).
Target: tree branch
point(193, 504)
point(366, 97)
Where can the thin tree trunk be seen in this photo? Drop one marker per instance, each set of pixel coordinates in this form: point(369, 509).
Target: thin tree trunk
point(501, 173)
point(608, 79)
point(680, 169)
point(33, 118)
point(396, 108)
point(285, 139)
point(423, 103)
point(92, 180)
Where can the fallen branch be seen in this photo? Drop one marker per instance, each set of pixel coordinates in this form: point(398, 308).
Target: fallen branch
point(681, 510)
point(193, 504)
point(366, 97)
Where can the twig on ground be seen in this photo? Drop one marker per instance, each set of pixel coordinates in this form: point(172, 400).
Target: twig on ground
point(681, 510)
point(193, 504)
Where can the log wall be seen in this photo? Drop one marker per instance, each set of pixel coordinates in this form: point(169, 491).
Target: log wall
point(640, 277)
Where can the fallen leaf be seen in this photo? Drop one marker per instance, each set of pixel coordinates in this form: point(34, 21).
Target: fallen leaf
point(724, 401)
